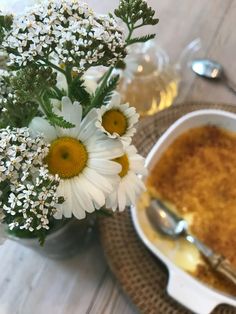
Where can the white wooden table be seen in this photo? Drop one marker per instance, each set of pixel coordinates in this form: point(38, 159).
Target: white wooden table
point(31, 284)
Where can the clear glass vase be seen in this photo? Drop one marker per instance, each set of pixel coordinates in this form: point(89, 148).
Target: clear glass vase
point(62, 243)
point(149, 82)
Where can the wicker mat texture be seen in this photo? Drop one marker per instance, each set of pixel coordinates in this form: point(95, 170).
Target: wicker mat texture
point(141, 275)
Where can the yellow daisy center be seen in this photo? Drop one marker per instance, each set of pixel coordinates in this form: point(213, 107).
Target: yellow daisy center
point(67, 157)
point(124, 162)
point(114, 121)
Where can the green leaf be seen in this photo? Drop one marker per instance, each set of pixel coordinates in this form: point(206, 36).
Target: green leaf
point(111, 86)
point(52, 94)
point(135, 14)
point(53, 118)
point(5, 24)
point(132, 11)
point(7, 21)
point(30, 82)
point(18, 114)
point(60, 121)
point(103, 95)
point(55, 93)
point(141, 39)
point(79, 93)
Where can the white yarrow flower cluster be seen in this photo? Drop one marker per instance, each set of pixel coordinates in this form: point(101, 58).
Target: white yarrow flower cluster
point(28, 189)
point(67, 30)
point(65, 137)
point(16, 6)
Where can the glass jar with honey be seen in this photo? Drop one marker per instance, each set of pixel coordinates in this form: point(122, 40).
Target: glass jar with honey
point(149, 82)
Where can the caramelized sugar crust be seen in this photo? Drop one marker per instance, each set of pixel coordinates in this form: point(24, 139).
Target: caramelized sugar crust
point(197, 174)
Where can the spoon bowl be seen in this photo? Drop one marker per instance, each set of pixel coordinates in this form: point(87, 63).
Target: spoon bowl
point(212, 70)
point(207, 68)
point(167, 222)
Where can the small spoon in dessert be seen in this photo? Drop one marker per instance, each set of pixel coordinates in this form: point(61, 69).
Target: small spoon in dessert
point(168, 223)
point(212, 70)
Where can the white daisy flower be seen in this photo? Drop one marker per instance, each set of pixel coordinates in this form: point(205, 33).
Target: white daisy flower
point(130, 185)
point(81, 158)
point(117, 121)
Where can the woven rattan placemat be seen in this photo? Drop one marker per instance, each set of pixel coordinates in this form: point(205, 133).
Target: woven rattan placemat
point(141, 275)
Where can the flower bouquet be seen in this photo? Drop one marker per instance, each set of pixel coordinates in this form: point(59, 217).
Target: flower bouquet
point(65, 136)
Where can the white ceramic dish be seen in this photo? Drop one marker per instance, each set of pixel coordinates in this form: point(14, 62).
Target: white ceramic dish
point(181, 286)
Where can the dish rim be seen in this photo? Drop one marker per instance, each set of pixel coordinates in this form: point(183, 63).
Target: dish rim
point(202, 299)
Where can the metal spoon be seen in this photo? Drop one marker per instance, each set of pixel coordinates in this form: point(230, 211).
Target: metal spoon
point(212, 70)
point(168, 223)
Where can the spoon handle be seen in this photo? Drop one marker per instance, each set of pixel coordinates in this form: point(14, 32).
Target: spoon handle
point(230, 84)
point(223, 266)
point(205, 250)
point(217, 262)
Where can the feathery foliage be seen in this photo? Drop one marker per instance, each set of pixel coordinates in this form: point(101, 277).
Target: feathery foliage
point(136, 14)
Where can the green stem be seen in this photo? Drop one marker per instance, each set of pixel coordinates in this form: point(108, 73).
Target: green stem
point(131, 29)
point(55, 67)
point(68, 79)
point(101, 78)
point(138, 26)
point(68, 75)
point(58, 91)
point(44, 107)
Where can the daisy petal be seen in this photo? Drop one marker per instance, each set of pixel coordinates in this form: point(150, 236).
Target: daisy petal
point(130, 185)
point(121, 197)
point(95, 193)
point(138, 167)
point(68, 206)
point(87, 132)
point(109, 148)
point(130, 192)
point(39, 125)
point(71, 113)
point(115, 100)
point(83, 197)
point(106, 167)
point(100, 181)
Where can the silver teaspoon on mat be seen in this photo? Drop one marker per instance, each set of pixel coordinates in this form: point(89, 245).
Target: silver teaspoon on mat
point(168, 223)
point(212, 70)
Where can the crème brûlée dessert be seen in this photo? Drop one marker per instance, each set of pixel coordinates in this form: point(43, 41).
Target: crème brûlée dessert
point(197, 173)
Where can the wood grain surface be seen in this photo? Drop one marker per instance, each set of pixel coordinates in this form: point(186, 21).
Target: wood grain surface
point(31, 284)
